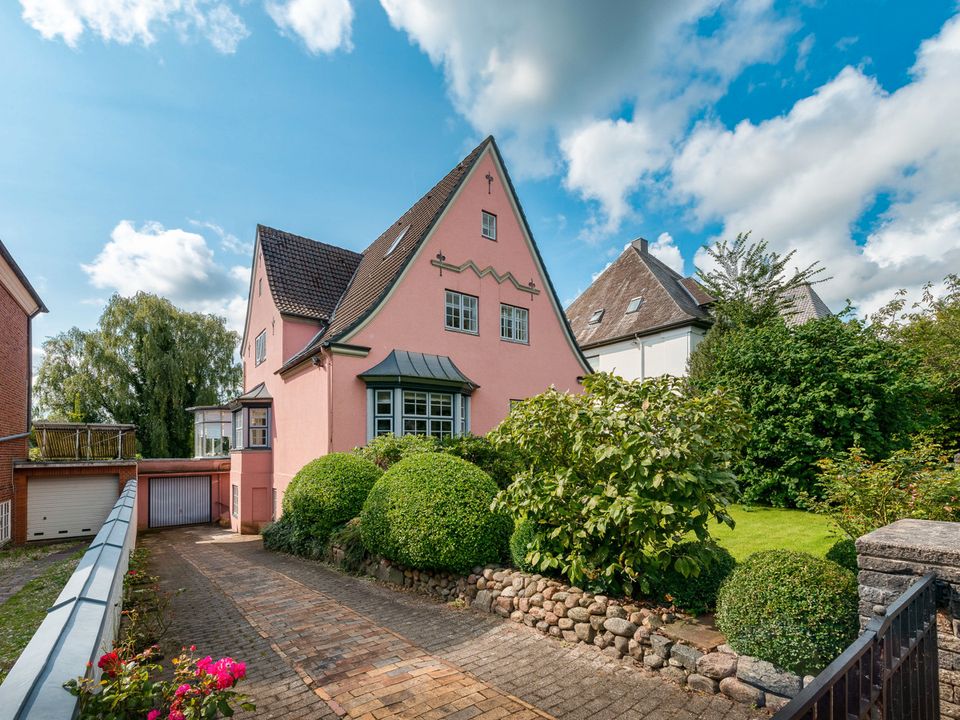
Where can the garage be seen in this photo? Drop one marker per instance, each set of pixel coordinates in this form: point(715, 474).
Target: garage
point(66, 507)
point(183, 500)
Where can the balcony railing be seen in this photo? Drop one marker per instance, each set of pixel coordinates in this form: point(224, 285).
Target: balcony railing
point(85, 441)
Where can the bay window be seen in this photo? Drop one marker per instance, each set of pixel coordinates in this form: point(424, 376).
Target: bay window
point(251, 428)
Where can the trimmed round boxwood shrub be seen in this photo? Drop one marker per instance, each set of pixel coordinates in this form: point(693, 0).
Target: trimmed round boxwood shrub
point(326, 493)
point(789, 608)
point(844, 554)
point(432, 511)
point(523, 534)
point(698, 594)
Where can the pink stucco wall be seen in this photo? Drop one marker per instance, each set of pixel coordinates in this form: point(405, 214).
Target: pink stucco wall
point(322, 408)
point(252, 471)
point(413, 318)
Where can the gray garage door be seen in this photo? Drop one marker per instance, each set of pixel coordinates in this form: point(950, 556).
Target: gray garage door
point(179, 500)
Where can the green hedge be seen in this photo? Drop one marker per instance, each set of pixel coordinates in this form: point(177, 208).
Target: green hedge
point(500, 463)
point(386, 450)
point(698, 594)
point(326, 493)
point(432, 511)
point(523, 535)
point(789, 608)
point(844, 553)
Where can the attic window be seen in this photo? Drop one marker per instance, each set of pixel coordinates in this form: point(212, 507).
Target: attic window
point(634, 304)
point(393, 245)
point(596, 317)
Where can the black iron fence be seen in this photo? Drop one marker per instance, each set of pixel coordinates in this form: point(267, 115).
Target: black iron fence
point(889, 673)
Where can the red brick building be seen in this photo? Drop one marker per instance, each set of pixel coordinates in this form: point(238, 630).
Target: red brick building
point(19, 304)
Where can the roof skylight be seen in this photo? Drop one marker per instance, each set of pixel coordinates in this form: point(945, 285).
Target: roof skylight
point(634, 304)
point(393, 245)
point(596, 317)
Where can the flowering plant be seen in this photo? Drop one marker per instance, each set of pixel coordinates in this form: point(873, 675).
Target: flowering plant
point(200, 689)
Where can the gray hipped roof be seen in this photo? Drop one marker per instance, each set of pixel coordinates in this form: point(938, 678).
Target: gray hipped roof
point(418, 367)
point(805, 305)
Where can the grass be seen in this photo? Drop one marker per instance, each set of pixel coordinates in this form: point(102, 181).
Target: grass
point(15, 557)
point(21, 615)
point(760, 528)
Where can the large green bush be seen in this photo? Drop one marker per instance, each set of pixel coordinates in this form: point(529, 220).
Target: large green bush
point(432, 511)
point(385, 450)
point(327, 492)
point(698, 593)
point(500, 463)
point(789, 608)
point(917, 482)
point(844, 553)
point(278, 536)
point(620, 474)
point(811, 391)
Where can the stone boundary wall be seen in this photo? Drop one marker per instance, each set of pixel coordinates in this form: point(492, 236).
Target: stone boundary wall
point(657, 639)
point(891, 559)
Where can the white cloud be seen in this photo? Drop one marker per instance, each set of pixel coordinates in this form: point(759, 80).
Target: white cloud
point(323, 25)
point(665, 249)
point(803, 52)
point(129, 21)
point(802, 180)
point(228, 241)
point(174, 263)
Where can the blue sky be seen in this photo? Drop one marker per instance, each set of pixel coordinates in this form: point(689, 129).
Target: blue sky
point(141, 141)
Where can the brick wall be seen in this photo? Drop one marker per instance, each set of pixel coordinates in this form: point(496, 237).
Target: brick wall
point(14, 361)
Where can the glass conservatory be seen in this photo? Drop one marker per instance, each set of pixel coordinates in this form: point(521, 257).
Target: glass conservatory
point(211, 431)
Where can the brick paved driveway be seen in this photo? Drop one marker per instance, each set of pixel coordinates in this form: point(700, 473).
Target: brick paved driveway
point(320, 644)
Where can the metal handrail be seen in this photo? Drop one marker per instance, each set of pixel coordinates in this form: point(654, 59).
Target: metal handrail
point(873, 641)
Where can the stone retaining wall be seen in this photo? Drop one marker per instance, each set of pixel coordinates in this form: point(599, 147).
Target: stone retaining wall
point(656, 638)
point(891, 559)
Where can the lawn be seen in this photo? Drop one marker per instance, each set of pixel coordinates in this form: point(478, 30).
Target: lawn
point(760, 528)
point(21, 615)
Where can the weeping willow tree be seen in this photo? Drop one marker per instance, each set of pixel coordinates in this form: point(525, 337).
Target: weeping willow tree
point(144, 363)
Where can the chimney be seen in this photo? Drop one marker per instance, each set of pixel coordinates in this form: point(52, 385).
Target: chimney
point(641, 245)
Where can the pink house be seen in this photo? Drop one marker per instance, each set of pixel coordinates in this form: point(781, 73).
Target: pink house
point(442, 322)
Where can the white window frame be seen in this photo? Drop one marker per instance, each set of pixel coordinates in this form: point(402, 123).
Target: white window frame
point(382, 412)
point(261, 348)
point(458, 307)
point(435, 424)
point(265, 426)
point(488, 225)
point(238, 443)
point(514, 324)
point(639, 303)
point(6, 521)
point(235, 500)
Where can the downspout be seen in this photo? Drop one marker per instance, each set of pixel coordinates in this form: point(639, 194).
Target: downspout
point(14, 437)
point(329, 402)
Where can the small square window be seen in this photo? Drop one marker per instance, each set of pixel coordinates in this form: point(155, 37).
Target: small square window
point(514, 323)
point(460, 312)
point(259, 427)
point(596, 317)
point(488, 225)
point(634, 304)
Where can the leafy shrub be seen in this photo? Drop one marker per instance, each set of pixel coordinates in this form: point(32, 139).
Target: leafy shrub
point(698, 593)
point(278, 536)
point(789, 608)
point(432, 511)
point(860, 495)
point(348, 539)
point(622, 473)
point(385, 450)
point(521, 540)
point(811, 391)
point(500, 463)
point(327, 492)
point(844, 553)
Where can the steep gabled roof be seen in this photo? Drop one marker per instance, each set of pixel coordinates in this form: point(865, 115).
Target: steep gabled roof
point(307, 278)
point(669, 300)
point(805, 305)
point(379, 269)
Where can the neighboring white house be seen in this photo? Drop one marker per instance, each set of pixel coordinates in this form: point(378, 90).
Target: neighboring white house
point(641, 319)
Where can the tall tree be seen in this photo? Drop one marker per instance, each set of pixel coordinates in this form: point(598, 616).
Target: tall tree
point(751, 284)
point(144, 364)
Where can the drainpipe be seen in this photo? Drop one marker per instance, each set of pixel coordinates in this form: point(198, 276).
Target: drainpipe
point(14, 437)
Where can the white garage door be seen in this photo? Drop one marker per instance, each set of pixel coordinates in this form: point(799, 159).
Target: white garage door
point(69, 507)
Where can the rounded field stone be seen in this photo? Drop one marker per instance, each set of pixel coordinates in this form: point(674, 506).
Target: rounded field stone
point(620, 626)
point(703, 684)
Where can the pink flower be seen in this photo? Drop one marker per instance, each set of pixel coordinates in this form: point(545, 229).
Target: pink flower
point(203, 665)
point(175, 715)
point(153, 715)
point(182, 690)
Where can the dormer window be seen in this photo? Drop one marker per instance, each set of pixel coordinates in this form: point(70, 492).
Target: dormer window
point(488, 225)
point(634, 304)
point(596, 317)
point(393, 245)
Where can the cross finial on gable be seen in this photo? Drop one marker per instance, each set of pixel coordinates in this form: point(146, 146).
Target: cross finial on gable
point(489, 178)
